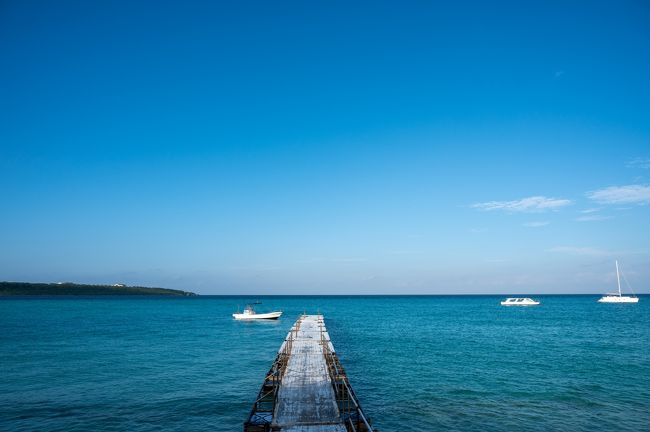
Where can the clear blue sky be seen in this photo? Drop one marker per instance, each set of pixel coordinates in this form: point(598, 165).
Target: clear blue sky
point(326, 147)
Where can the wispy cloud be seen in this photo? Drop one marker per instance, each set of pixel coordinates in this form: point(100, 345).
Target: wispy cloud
point(534, 204)
point(643, 163)
point(630, 194)
point(574, 250)
point(592, 218)
point(536, 224)
point(590, 210)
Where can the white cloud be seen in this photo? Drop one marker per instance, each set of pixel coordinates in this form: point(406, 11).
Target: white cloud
point(592, 218)
point(528, 205)
point(643, 163)
point(590, 210)
point(574, 250)
point(536, 224)
point(630, 194)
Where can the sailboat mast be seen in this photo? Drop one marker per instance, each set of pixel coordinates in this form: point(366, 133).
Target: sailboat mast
point(618, 279)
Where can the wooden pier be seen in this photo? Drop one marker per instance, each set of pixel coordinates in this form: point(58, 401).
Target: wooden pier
point(306, 389)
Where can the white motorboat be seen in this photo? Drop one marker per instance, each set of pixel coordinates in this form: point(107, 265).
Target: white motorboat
point(250, 314)
point(519, 301)
point(618, 298)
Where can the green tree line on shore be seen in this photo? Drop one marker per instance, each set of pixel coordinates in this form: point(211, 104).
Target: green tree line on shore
point(69, 288)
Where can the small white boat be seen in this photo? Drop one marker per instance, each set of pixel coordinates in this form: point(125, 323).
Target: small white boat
point(250, 314)
point(519, 301)
point(618, 298)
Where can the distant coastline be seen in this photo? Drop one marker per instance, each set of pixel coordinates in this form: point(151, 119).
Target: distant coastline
point(74, 289)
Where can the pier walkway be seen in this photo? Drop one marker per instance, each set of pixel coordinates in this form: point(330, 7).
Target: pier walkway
point(306, 389)
point(306, 399)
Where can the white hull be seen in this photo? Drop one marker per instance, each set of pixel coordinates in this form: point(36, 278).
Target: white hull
point(519, 301)
point(617, 299)
point(520, 304)
point(256, 316)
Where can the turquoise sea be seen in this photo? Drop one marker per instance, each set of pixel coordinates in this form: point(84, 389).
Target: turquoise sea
point(425, 363)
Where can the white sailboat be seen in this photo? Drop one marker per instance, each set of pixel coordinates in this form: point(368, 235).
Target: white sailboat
point(618, 298)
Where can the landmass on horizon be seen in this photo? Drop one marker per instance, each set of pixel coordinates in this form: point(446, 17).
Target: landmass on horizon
point(75, 289)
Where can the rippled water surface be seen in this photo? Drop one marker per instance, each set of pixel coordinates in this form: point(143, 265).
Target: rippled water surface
point(416, 363)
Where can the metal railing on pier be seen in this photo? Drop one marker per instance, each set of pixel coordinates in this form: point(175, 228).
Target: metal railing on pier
point(348, 404)
point(261, 415)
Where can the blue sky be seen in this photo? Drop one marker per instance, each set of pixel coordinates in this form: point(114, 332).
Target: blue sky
point(326, 147)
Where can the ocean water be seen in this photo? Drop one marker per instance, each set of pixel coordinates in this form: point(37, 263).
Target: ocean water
point(416, 363)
